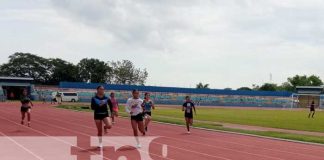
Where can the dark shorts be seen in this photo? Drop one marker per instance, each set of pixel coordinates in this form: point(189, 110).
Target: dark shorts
point(188, 115)
point(114, 113)
point(312, 109)
point(24, 109)
point(138, 117)
point(100, 116)
point(148, 113)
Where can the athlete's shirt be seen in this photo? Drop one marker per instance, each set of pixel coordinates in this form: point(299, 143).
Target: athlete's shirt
point(188, 106)
point(99, 105)
point(114, 104)
point(312, 106)
point(25, 100)
point(134, 106)
point(147, 105)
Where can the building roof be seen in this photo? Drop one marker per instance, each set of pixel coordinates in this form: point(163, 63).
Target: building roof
point(309, 87)
point(17, 78)
point(310, 90)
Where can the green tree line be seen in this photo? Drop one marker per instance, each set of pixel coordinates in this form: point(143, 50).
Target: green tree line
point(290, 85)
point(51, 71)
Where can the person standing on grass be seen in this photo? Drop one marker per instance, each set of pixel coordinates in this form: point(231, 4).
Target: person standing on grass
point(99, 104)
point(147, 106)
point(59, 98)
point(114, 107)
point(312, 110)
point(26, 105)
point(188, 108)
point(134, 109)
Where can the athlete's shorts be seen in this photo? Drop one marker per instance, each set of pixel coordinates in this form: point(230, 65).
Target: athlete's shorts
point(138, 117)
point(188, 115)
point(115, 113)
point(24, 109)
point(312, 109)
point(148, 113)
point(100, 116)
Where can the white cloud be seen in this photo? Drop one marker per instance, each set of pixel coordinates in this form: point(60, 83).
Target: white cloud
point(228, 43)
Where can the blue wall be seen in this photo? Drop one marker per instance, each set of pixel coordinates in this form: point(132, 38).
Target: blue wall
point(175, 96)
point(173, 89)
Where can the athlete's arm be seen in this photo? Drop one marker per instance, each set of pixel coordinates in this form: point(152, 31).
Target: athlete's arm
point(153, 106)
point(93, 104)
point(110, 105)
point(127, 107)
point(31, 103)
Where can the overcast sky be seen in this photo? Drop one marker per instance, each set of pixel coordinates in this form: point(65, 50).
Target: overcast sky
point(226, 43)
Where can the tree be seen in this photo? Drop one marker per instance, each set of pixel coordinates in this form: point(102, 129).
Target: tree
point(286, 86)
point(62, 71)
point(244, 89)
point(315, 80)
point(202, 86)
point(268, 87)
point(27, 65)
point(298, 80)
point(94, 70)
point(124, 72)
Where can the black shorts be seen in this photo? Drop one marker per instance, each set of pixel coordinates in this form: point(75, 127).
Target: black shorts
point(148, 113)
point(188, 115)
point(312, 109)
point(100, 116)
point(138, 117)
point(24, 109)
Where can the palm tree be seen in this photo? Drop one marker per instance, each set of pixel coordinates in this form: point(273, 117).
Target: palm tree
point(202, 86)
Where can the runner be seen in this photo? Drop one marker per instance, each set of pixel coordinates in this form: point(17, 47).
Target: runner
point(26, 105)
point(147, 105)
point(114, 107)
point(134, 109)
point(187, 108)
point(312, 110)
point(99, 104)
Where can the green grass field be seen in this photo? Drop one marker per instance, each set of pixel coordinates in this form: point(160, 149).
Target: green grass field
point(211, 118)
point(284, 119)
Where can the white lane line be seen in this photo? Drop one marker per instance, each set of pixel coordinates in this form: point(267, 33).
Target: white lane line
point(21, 146)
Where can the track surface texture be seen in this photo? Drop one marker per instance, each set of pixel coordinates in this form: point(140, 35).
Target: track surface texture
point(53, 123)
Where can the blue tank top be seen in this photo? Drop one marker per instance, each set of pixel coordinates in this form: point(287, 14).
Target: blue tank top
point(148, 105)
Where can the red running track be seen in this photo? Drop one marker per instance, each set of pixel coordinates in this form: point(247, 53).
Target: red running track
point(200, 145)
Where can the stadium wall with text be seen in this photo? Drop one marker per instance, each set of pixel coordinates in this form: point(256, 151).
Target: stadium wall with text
point(176, 96)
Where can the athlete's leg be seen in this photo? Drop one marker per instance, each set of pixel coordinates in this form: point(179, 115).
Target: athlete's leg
point(191, 121)
point(29, 116)
point(99, 130)
point(107, 122)
point(140, 125)
point(147, 121)
point(187, 124)
point(113, 118)
point(135, 132)
point(134, 127)
point(22, 117)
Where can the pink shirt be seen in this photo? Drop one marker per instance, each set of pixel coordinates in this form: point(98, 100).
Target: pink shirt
point(114, 104)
